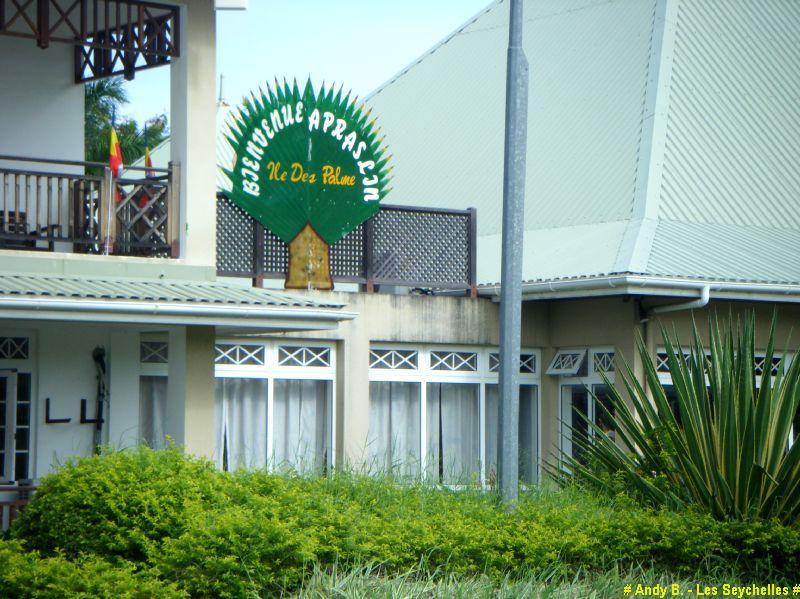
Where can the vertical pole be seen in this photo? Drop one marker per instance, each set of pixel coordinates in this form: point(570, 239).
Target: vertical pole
point(511, 275)
point(368, 241)
point(173, 208)
point(473, 254)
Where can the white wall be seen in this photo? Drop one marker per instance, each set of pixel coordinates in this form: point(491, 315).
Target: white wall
point(41, 107)
point(63, 369)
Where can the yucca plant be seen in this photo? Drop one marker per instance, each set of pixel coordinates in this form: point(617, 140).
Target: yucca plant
point(722, 444)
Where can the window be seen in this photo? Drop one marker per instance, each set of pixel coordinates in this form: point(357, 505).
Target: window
point(567, 362)
point(453, 423)
point(454, 361)
point(274, 405)
point(664, 376)
point(585, 398)
point(152, 410)
point(14, 348)
point(153, 370)
point(433, 412)
point(241, 405)
point(15, 425)
point(394, 427)
point(153, 352)
point(301, 430)
point(528, 432)
point(394, 359)
point(241, 354)
point(304, 356)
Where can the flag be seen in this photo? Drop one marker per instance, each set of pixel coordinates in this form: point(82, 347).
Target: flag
point(115, 161)
point(148, 164)
point(115, 155)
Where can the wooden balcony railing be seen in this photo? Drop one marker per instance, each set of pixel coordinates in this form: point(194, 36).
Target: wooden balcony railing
point(13, 498)
point(59, 207)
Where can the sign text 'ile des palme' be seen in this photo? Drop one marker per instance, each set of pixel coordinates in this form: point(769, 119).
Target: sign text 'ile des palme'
point(310, 166)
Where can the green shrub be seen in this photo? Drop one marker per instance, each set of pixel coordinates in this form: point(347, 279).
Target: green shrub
point(119, 504)
point(237, 552)
point(252, 534)
point(722, 446)
point(26, 575)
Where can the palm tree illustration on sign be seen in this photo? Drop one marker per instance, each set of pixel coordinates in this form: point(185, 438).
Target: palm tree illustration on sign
point(310, 166)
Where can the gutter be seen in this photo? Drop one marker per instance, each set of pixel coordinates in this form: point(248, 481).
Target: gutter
point(260, 317)
point(701, 302)
point(648, 285)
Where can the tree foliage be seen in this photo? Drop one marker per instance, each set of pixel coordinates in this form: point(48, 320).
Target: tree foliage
point(104, 100)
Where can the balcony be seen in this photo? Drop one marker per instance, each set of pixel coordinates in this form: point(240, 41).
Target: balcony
point(49, 205)
point(404, 246)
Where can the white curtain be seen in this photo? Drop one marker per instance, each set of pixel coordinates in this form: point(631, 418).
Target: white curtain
point(301, 424)
point(394, 427)
point(528, 432)
point(241, 432)
point(152, 410)
point(453, 432)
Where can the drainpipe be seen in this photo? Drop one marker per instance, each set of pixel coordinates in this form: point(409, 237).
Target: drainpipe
point(700, 302)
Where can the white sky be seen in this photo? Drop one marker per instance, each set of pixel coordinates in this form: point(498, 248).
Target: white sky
point(360, 43)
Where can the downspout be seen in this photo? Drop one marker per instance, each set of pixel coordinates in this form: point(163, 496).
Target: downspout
point(701, 302)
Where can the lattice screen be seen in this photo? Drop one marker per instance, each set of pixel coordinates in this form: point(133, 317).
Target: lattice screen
point(416, 247)
point(235, 242)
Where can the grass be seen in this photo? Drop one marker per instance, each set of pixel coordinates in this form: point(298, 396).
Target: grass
point(368, 582)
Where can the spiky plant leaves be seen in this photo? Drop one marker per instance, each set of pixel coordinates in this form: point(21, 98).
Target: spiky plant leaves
point(281, 133)
point(722, 446)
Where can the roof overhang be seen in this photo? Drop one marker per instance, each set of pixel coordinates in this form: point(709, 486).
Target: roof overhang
point(228, 318)
point(632, 284)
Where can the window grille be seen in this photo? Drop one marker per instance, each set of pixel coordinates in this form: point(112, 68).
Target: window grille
point(454, 361)
point(603, 361)
point(289, 355)
point(153, 352)
point(567, 362)
point(527, 363)
point(758, 364)
point(14, 348)
point(394, 359)
point(240, 354)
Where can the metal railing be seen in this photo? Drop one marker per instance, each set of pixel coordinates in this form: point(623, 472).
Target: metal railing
point(13, 498)
point(59, 207)
point(405, 246)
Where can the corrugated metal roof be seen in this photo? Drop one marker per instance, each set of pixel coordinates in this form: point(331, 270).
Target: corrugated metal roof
point(725, 201)
point(733, 131)
point(728, 252)
point(443, 119)
point(152, 290)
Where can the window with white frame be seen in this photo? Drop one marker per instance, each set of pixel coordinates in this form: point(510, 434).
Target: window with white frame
point(16, 408)
point(759, 364)
point(433, 412)
point(274, 404)
point(584, 396)
point(153, 364)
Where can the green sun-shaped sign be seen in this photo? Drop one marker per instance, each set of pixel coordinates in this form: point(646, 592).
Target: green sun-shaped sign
point(306, 158)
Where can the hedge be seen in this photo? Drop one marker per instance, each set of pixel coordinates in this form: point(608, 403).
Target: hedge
point(176, 520)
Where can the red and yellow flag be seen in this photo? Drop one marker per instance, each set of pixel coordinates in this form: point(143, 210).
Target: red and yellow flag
point(115, 155)
point(115, 162)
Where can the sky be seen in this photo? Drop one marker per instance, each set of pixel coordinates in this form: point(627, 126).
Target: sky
point(358, 43)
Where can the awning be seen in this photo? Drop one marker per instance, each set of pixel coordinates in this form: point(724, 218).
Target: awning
point(161, 301)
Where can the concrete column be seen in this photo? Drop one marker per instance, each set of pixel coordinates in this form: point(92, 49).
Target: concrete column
point(550, 410)
point(352, 392)
point(190, 389)
point(193, 132)
point(122, 421)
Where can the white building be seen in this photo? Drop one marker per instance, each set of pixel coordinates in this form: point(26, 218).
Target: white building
point(662, 173)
